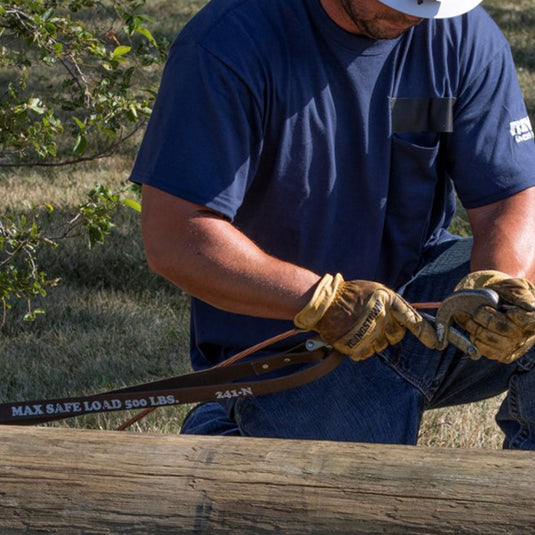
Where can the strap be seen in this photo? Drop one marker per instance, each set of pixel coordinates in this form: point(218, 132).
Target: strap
point(238, 380)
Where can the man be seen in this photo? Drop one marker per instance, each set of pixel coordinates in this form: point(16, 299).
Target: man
point(300, 166)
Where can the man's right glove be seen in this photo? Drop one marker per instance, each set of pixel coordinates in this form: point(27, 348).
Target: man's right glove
point(360, 318)
point(502, 335)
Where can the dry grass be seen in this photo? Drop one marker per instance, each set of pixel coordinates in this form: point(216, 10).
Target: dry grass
point(464, 426)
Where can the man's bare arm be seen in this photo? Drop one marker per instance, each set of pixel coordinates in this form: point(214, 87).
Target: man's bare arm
point(504, 235)
point(205, 255)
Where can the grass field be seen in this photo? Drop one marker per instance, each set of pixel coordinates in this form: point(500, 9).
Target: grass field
point(111, 323)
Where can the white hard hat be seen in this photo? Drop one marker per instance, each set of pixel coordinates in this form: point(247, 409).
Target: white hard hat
point(433, 9)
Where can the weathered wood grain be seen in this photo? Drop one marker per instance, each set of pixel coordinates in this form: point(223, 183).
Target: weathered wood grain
point(93, 482)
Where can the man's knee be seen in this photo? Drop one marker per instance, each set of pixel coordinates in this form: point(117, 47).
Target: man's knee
point(209, 419)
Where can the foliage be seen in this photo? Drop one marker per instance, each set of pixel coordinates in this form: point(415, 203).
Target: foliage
point(75, 84)
point(69, 91)
point(22, 237)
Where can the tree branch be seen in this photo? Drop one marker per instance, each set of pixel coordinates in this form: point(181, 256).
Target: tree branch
point(104, 154)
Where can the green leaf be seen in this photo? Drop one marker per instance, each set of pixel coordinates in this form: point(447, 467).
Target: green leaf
point(146, 33)
point(81, 125)
point(131, 113)
point(80, 145)
point(31, 316)
point(95, 236)
point(110, 132)
point(121, 51)
point(48, 13)
point(131, 203)
point(36, 105)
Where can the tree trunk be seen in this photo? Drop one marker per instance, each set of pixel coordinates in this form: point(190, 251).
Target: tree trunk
point(66, 481)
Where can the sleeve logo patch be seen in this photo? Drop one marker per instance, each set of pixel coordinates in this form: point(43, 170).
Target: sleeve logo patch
point(521, 130)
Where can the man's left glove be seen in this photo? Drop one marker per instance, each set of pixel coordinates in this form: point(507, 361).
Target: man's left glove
point(360, 318)
point(502, 335)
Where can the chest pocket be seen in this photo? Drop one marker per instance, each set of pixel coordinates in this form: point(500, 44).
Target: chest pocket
point(418, 194)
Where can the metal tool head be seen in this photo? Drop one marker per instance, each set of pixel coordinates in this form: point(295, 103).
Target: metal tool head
point(462, 301)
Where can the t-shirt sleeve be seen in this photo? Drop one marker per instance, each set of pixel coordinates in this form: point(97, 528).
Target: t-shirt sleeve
point(492, 153)
point(204, 137)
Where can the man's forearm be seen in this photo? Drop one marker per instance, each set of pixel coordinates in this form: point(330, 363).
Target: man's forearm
point(209, 258)
point(504, 236)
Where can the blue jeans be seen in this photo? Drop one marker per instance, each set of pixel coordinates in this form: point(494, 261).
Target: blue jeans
point(382, 399)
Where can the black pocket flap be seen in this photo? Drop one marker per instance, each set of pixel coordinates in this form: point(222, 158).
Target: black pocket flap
point(422, 114)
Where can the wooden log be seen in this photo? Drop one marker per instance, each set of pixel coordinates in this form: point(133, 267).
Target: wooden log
point(65, 481)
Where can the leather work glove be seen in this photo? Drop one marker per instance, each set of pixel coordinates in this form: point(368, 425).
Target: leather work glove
point(506, 334)
point(360, 318)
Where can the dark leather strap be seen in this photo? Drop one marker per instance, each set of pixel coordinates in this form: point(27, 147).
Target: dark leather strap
point(238, 380)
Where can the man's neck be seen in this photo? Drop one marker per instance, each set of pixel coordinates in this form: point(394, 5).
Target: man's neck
point(338, 14)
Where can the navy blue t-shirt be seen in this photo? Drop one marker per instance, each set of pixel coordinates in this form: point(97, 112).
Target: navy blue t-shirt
point(335, 152)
